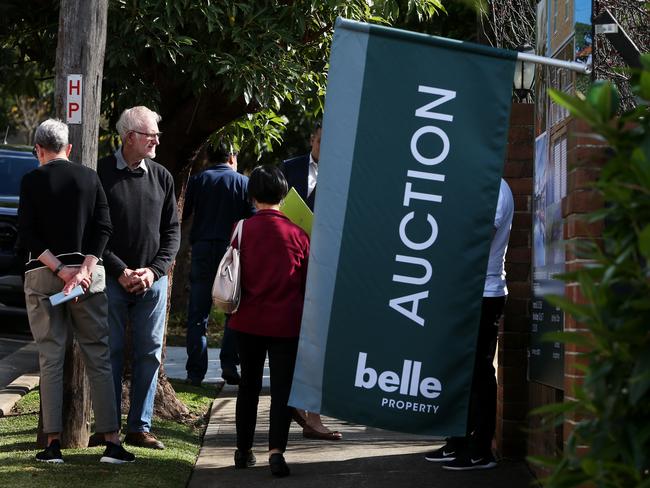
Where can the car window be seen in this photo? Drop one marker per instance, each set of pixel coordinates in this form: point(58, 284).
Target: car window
point(12, 170)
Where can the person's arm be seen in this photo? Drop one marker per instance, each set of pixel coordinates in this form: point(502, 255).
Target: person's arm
point(100, 226)
point(27, 235)
point(247, 205)
point(170, 232)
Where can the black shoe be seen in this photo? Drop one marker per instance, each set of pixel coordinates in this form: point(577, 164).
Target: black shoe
point(51, 454)
point(441, 455)
point(230, 376)
point(96, 440)
point(116, 454)
point(244, 459)
point(278, 465)
point(466, 463)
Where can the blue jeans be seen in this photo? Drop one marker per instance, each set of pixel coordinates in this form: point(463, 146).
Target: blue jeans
point(146, 313)
point(206, 256)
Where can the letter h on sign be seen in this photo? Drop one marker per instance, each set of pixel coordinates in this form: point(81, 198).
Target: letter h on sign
point(73, 102)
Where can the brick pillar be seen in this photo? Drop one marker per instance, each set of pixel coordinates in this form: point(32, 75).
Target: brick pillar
point(512, 395)
point(585, 157)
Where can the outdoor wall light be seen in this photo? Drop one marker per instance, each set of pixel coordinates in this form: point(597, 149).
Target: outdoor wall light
point(524, 75)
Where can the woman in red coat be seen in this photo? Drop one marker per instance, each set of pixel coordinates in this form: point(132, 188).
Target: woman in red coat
point(274, 255)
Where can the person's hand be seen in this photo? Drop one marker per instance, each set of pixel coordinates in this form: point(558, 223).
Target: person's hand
point(76, 276)
point(127, 280)
point(143, 279)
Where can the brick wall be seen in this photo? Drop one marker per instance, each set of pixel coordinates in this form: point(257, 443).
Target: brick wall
point(512, 395)
point(585, 157)
point(519, 434)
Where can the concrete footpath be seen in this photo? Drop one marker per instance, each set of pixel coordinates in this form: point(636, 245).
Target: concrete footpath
point(18, 371)
point(365, 457)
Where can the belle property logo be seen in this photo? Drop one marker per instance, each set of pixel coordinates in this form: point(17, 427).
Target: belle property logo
point(407, 385)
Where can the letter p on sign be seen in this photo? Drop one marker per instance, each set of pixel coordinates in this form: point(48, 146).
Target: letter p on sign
point(73, 102)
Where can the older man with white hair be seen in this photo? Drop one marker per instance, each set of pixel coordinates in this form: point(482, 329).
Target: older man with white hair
point(145, 240)
point(64, 224)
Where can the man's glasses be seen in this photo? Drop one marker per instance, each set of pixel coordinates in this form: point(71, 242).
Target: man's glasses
point(34, 152)
point(151, 136)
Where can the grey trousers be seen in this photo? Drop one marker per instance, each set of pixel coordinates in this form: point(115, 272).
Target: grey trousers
point(51, 326)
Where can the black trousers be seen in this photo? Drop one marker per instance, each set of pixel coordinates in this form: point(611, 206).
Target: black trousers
point(481, 421)
point(282, 359)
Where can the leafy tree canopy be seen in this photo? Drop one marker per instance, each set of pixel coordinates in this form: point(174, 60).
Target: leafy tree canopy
point(204, 65)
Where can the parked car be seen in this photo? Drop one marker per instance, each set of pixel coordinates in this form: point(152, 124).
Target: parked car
point(15, 162)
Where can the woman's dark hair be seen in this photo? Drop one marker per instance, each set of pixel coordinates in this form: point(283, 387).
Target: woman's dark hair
point(267, 184)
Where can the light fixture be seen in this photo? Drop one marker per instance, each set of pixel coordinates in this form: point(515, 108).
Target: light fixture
point(524, 75)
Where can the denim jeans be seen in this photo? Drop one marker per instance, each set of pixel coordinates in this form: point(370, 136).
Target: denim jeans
point(206, 256)
point(146, 313)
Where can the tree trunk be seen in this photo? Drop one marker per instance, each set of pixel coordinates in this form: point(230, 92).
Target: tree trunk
point(80, 50)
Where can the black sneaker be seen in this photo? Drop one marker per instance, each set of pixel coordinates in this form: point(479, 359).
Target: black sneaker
point(116, 454)
point(278, 465)
point(466, 463)
point(51, 454)
point(244, 459)
point(441, 455)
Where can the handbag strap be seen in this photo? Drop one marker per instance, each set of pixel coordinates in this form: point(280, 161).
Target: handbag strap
point(237, 233)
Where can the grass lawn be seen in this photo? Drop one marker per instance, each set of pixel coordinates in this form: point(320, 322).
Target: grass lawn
point(168, 468)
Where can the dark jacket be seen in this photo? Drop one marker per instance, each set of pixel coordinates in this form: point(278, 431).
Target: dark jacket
point(296, 171)
point(217, 197)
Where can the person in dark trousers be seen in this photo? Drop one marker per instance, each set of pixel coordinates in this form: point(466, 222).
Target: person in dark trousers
point(145, 240)
point(274, 257)
point(302, 174)
point(475, 450)
point(217, 198)
point(64, 224)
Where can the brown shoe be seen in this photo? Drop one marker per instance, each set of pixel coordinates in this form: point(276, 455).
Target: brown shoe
point(143, 439)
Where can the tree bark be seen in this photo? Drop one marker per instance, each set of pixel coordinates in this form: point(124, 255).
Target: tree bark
point(80, 50)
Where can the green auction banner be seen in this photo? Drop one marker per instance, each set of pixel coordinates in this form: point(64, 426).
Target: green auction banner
point(412, 153)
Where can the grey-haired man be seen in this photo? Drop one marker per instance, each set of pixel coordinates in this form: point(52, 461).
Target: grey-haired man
point(64, 224)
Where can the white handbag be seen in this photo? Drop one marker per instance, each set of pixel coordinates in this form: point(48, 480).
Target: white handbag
point(226, 289)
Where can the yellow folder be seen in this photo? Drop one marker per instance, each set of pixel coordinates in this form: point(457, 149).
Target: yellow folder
point(297, 211)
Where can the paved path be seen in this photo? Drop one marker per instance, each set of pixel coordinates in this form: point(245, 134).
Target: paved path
point(366, 457)
point(18, 371)
point(175, 366)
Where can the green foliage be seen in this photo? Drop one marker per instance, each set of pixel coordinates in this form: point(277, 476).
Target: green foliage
point(250, 61)
point(614, 401)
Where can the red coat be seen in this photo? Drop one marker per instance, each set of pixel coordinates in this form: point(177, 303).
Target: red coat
point(274, 255)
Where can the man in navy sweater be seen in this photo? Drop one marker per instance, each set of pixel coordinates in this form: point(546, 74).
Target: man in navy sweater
point(145, 240)
point(217, 197)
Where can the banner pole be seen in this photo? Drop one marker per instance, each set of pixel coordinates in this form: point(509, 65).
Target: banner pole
point(570, 65)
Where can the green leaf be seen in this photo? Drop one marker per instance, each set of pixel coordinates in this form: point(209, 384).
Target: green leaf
point(604, 98)
point(577, 106)
point(576, 338)
point(644, 85)
point(644, 241)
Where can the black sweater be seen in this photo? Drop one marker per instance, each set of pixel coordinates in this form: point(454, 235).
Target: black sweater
point(146, 233)
point(62, 208)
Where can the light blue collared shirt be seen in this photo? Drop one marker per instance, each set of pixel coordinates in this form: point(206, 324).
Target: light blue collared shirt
point(122, 164)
